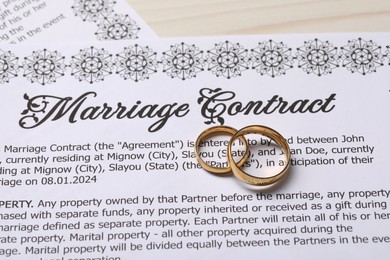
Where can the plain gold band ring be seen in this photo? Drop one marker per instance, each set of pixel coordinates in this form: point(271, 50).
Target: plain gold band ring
point(270, 133)
point(217, 130)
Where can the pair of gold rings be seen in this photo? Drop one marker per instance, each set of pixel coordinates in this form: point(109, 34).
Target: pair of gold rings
point(235, 167)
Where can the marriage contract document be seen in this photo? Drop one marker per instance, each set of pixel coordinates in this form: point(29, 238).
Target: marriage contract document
point(97, 148)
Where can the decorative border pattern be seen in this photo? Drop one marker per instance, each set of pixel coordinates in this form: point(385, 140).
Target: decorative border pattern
point(185, 61)
point(111, 26)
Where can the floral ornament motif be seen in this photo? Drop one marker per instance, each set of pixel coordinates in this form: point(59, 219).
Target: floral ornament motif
point(44, 66)
point(8, 66)
point(228, 59)
point(362, 56)
point(317, 57)
point(183, 61)
point(388, 53)
point(91, 65)
point(118, 27)
point(136, 63)
point(92, 10)
point(272, 58)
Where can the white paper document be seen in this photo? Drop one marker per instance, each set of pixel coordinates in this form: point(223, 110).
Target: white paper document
point(68, 20)
point(97, 148)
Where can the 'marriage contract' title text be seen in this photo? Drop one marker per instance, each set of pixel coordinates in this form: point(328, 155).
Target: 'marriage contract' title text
point(215, 104)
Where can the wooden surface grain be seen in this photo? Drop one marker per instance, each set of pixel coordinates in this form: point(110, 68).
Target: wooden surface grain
point(171, 18)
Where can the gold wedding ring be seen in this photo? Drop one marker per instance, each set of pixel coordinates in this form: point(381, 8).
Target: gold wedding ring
point(235, 167)
point(219, 130)
point(270, 133)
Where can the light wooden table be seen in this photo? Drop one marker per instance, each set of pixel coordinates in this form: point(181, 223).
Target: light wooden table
point(170, 18)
